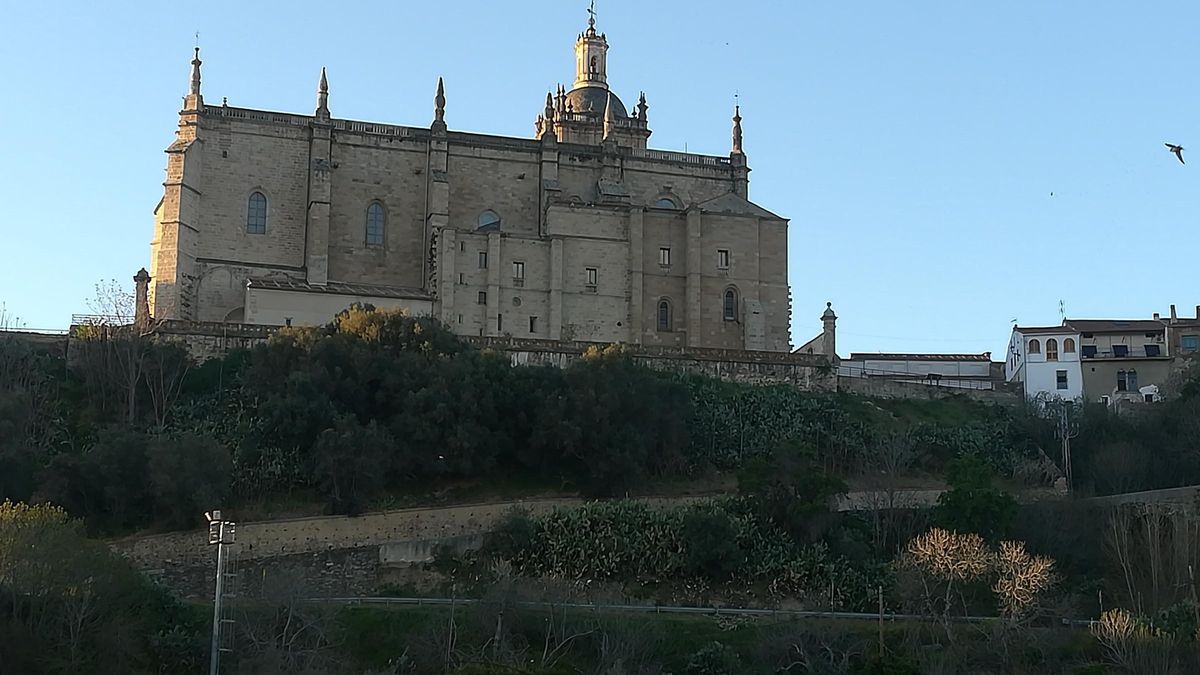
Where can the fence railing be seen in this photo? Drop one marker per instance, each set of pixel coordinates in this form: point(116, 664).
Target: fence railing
point(977, 382)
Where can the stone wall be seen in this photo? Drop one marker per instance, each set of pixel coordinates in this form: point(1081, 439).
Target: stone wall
point(811, 372)
point(885, 388)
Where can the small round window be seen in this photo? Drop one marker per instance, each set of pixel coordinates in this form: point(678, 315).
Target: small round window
point(666, 203)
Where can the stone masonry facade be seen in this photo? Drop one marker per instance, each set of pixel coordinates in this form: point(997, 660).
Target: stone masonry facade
point(581, 233)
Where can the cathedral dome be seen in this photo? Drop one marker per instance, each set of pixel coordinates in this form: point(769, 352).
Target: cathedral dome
point(594, 99)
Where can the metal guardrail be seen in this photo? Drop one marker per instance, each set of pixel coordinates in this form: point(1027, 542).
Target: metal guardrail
point(980, 382)
point(673, 609)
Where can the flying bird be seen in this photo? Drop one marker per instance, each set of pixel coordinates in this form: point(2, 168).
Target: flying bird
point(1177, 149)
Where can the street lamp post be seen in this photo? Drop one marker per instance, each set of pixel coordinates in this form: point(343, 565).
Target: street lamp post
point(220, 533)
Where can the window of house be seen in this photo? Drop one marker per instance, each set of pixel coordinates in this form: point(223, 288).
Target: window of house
point(1051, 349)
point(664, 256)
point(533, 324)
point(483, 260)
point(666, 203)
point(256, 213)
point(1189, 343)
point(1127, 380)
point(1035, 347)
point(592, 275)
point(722, 259)
point(664, 315)
point(1060, 377)
point(1120, 350)
point(499, 323)
point(1088, 351)
point(1069, 346)
point(730, 305)
point(1152, 350)
point(518, 270)
point(488, 220)
point(375, 222)
point(482, 297)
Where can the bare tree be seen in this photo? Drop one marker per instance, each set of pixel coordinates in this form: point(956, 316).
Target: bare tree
point(889, 460)
point(110, 349)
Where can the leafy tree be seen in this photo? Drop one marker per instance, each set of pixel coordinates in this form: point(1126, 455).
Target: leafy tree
point(792, 490)
point(972, 504)
point(712, 546)
point(70, 605)
point(186, 475)
point(351, 462)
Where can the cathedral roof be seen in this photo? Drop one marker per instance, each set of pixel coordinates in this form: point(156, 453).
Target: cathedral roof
point(594, 99)
point(737, 205)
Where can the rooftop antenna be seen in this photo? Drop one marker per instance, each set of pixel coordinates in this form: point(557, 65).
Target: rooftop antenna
point(1062, 310)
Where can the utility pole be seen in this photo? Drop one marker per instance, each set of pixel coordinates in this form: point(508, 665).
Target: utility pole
point(221, 533)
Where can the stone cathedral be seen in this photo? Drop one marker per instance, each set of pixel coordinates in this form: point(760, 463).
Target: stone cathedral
point(581, 233)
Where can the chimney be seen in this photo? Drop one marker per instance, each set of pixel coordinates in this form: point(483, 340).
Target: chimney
point(1198, 312)
point(1173, 317)
point(1156, 317)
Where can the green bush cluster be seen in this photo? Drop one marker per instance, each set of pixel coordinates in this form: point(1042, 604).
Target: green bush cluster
point(719, 540)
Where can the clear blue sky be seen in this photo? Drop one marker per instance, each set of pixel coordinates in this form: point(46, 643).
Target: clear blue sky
point(914, 146)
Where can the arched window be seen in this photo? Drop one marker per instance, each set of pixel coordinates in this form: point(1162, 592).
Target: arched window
point(489, 220)
point(256, 213)
point(1051, 349)
point(664, 315)
point(730, 305)
point(1035, 347)
point(665, 203)
point(375, 224)
point(1069, 346)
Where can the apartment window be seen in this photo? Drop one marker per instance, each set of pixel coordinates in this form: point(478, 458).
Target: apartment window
point(256, 213)
point(533, 324)
point(1069, 346)
point(664, 256)
point(499, 323)
point(1120, 351)
point(664, 315)
point(1035, 347)
point(1189, 343)
point(1051, 349)
point(482, 297)
point(1060, 377)
point(722, 259)
point(592, 275)
point(1088, 351)
point(483, 260)
point(375, 223)
point(1153, 350)
point(730, 305)
point(518, 270)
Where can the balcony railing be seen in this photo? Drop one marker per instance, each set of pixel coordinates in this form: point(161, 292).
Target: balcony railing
point(1127, 354)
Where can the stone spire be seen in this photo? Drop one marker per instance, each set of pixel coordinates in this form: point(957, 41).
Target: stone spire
point(439, 110)
point(829, 332)
point(549, 106)
point(141, 317)
point(610, 118)
point(737, 130)
point(642, 107)
point(194, 101)
point(323, 98)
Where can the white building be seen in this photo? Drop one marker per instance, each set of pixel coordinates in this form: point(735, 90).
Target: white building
point(1045, 361)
